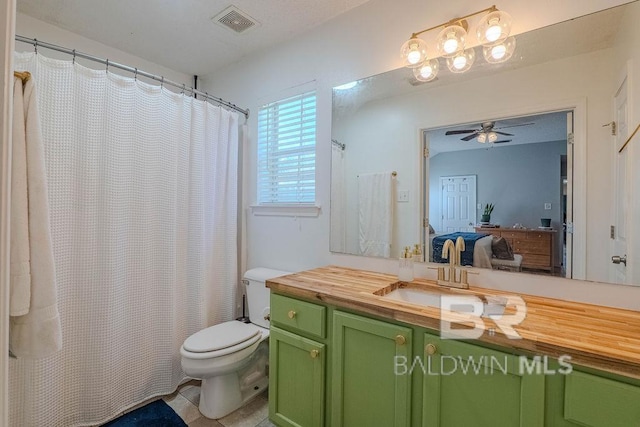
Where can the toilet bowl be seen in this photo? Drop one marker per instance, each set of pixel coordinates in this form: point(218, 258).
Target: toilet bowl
point(231, 358)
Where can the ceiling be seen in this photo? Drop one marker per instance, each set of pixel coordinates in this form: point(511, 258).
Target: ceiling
point(180, 35)
point(543, 128)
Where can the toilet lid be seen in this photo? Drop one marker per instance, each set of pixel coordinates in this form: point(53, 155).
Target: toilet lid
point(220, 336)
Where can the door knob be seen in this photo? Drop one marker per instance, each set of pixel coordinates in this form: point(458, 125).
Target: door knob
point(617, 259)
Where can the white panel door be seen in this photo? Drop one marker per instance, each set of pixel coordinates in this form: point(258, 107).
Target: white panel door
point(621, 196)
point(458, 203)
point(568, 221)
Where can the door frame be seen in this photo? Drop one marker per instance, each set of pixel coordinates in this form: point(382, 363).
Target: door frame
point(7, 37)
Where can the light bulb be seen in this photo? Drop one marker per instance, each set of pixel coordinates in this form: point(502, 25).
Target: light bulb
point(459, 62)
point(494, 31)
point(492, 137)
point(498, 52)
point(427, 71)
point(451, 45)
point(413, 52)
point(482, 137)
point(414, 56)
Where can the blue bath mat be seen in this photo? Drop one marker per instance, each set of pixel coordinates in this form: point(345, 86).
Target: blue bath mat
point(155, 414)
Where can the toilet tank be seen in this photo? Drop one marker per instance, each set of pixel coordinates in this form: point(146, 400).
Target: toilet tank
point(258, 293)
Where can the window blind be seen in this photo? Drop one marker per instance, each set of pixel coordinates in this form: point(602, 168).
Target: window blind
point(287, 151)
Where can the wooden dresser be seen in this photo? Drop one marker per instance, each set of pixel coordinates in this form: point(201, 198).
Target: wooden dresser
point(537, 247)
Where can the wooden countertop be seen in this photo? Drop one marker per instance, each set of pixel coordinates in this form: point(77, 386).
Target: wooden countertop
point(594, 336)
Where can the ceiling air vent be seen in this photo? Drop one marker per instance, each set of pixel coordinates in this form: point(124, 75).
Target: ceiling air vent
point(235, 19)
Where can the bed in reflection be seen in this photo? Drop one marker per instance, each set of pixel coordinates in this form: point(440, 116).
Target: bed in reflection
point(478, 252)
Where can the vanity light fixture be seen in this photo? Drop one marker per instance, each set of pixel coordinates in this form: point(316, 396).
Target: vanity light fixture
point(492, 32)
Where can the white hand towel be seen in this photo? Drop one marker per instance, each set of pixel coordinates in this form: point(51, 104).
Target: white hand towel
point(375, 213)
point(38, 332)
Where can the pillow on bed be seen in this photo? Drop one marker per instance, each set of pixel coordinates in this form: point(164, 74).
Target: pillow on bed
point(501, 248)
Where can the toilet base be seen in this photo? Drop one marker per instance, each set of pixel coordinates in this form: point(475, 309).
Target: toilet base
point(223, 394)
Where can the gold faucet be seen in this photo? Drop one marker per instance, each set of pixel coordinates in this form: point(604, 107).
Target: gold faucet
point(453, 252)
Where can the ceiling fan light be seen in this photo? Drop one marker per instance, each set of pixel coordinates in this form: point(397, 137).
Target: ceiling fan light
point(413, 52)
point(462, 61)
point(492, 136)
point(494, 28)
point(500, 52)
point(482, 137)
point(451, 40)
point(428, 71)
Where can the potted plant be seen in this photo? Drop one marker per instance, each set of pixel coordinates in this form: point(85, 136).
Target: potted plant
point(486, 216)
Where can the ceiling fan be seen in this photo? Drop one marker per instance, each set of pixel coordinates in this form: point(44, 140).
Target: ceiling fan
point(486, 133)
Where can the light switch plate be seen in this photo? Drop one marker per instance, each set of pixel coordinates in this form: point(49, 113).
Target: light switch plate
point(403, 195)
point(547, 206)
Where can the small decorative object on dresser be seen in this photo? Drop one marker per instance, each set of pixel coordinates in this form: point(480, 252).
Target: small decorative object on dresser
point(486, 216)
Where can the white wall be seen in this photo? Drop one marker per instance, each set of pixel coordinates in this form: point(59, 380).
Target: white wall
point(32, 28)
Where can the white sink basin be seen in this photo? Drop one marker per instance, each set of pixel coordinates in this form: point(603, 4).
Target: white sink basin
point(491, 305)
point(414, 296)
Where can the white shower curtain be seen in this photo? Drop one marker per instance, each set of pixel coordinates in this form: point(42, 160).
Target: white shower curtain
point(143, 199)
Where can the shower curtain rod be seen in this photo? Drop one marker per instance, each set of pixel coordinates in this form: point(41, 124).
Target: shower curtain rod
point(162, 80)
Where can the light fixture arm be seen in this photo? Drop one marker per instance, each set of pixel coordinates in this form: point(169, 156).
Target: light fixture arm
point(454, 21)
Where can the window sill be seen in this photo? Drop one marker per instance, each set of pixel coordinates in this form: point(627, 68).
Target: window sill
point(286, 210)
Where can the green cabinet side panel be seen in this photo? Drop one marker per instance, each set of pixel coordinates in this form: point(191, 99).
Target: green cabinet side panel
point(365, 388)
point(469, 385)
point(599, 402)
point(296, 380)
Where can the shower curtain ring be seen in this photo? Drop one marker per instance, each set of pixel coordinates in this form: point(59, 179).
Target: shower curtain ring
point(161, 82)
point(135, 75)
point(184, 86)
point(35, 46)
point(107, 70)
point(74, 56)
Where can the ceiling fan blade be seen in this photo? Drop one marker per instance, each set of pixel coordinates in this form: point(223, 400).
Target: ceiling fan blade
point(470, 137)
point(515, 126)
point(500, 142)
point(458, 132)
point(503, 133)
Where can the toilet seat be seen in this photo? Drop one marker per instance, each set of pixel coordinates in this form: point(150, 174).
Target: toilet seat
point(220, 340)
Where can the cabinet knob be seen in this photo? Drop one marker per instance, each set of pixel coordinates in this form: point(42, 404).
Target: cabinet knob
point(267, 317)
point(431, 349)
point(291, 314)
point(400, 339)
point(314, 353)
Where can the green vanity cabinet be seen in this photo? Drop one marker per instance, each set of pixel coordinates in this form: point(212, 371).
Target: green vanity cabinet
point(296, 380)
point(584, 399)
point(364, 388)
point(470, 385)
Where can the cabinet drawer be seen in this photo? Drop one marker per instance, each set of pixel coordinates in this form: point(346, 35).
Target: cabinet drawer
point(542, 261)
point(541, 237)
point(296, 315)
point(511, 234)
point(531, 247)
point(600, 402)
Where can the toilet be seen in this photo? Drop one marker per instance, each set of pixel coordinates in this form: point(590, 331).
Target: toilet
point(231, 358)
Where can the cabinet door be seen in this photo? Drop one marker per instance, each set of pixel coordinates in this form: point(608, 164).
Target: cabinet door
point(367, 389)
point(296, 380)
point(468, 385)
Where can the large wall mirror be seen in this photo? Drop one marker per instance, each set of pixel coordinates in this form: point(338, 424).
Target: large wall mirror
point(414, 161)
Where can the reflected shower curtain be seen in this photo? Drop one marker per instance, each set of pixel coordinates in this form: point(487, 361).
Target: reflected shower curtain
point(143, 198)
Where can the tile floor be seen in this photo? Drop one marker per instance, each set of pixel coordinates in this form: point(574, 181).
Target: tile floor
point(185, 403)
